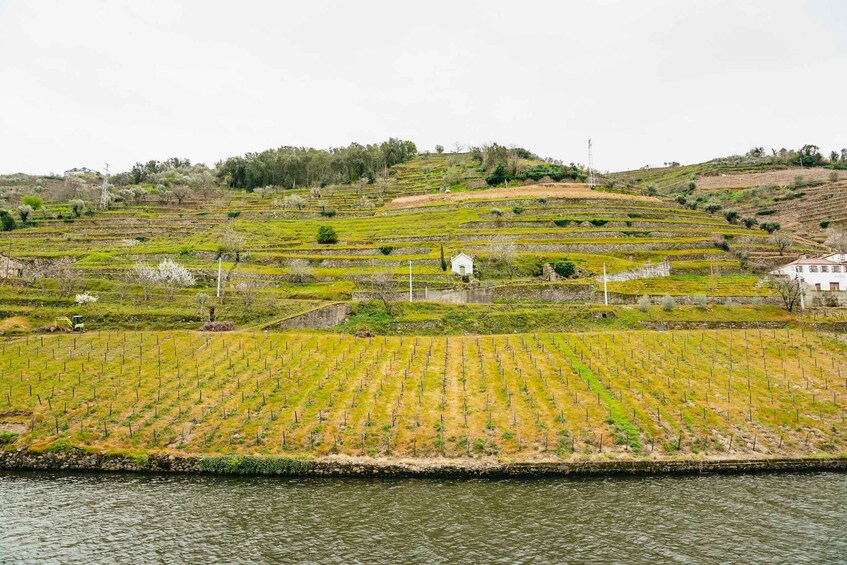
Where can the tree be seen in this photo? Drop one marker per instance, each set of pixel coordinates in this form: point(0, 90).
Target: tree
point(498, 175)
point(77, 207)
point(202, 300)
point(443, 261)
point(730, 215)
point(712, 207)
point(749, 222)
point(668, 303)
point(644, 303)
point(7, 222)
point(84, 298)
point(173, 275)
point(439, 149)
point(147, 277)
point(291, 201)
point(789, 289)
point(180, 193)
point(782, 241)
point(504, 254)
point(63, 271)
point(564, 268)
point(770, 227)
point(300, 270)
point(231, 243)
point(837, 240)
point(326, 234)
point(24, 211)
point(383, 288)
point(33, 201)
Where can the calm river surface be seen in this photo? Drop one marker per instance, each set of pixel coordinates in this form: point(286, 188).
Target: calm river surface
point(81, 518)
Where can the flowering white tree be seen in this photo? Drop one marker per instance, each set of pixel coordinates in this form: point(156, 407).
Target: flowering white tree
point(84, 298)
point(147, 277)
point(172, 275)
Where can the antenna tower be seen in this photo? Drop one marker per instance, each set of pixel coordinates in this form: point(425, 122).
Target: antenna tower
point(104, 195)
point(592, 180)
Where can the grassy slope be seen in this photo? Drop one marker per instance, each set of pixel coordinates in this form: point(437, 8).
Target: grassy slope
point(518, 397)
point(107, 244)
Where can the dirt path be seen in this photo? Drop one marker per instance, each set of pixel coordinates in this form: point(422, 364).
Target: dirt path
point(530, 190)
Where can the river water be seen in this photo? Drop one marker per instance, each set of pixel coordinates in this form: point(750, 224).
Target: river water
point(87, 518)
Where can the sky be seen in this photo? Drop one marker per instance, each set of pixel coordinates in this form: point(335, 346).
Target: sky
point(84, 83)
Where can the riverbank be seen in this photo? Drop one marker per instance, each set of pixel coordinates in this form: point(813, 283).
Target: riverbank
point(256, 465)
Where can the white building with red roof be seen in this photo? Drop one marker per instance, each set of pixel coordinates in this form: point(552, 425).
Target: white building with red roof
point(820, 273)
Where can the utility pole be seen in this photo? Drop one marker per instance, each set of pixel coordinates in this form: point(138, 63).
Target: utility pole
point(104, 195)
point(605, 287)
point(410, 280)
point(220, 261)
point(592, 181)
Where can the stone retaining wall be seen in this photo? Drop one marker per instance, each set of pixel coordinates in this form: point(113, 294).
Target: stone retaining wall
point(323, 317)
point(368, 467)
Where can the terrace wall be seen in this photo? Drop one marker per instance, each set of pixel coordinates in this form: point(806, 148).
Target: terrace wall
point(324, 317)
point(662, 269)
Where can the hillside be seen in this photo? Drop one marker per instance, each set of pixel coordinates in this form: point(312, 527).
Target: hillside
point(274, 267)
point(804, 201)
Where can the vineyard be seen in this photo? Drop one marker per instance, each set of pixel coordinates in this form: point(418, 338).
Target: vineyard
point(534, 396)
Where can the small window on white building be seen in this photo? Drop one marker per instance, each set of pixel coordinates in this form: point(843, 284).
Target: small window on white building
point(817, 286)
point(798, 268)
point(824, 269)
point(834, 286)
point(836, 268)
point(813, 268)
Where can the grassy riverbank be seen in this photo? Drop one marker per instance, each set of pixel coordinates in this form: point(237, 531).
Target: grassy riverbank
point(617, 395)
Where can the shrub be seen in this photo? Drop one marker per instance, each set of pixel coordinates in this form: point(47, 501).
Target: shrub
point(498, 175)
point(833, 176)
point(542, 200)
point(386, 249)
point(598, 223)
point(562, 223)
point(652, 189)
point(720, 242)
point(644, 303)
point(77, 207)
point(326, 234)
point(749, 222)
point(233, 213)
point(564, 268)
point(517, 210)
point(681, 199)
point(496, 212)
point(712, 207)
point(328, 213)
point(35, 202)
point(770, 227)
point(8, 437)
point(730, 215)
point(84, 298)
point(443, 260)
point(668, 303)
point(7, 222)
point(766, 212)
point(700, 301)
point(221, 326)
point(824, 224)
point(691, 203)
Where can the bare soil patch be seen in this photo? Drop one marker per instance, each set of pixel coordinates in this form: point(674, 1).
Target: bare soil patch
point(555, 190)
point(783, 177)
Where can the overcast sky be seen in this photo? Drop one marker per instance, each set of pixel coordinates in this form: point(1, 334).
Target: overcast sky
point(83, 83)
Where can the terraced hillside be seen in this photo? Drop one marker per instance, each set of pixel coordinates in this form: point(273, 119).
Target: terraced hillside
point(273, 266)
point(804, 201)
point(520, 397)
